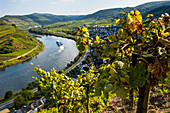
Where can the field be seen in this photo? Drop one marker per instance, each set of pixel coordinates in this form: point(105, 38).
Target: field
point(72, 25)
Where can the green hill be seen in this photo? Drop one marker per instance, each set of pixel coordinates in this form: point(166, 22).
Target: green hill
point(44, 19)
point(14, 42)
point(22, 22)
point(105, 17)
point(157, 12)
point(26, 21)
point(117, 12)
point(101, 17)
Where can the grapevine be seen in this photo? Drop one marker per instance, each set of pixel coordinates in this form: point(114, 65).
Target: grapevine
point(138, 59)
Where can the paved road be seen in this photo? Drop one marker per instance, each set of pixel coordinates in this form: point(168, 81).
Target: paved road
point(6, 104)
point(10, 102)
point(78, 62)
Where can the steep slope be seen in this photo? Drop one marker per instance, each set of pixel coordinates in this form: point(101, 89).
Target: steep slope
point(108, 16)
point(14, 41)
point(102, 16)
point(157, 12)
point(76, 17)
point(22, 22)
point(35, 19)
point(44, 19)
point(117, 12)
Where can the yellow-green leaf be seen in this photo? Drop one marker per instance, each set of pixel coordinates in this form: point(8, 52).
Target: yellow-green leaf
point(112, 38)
point(118, 21)
point(97, 39)
point(149, 15)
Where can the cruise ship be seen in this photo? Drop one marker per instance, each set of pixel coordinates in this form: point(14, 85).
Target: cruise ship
point(59, 43)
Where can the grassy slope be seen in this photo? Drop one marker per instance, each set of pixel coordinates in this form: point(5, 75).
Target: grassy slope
point(14, 42)
point(22, 22)
point(68, 27)
point(26, 21)
point(44, 19)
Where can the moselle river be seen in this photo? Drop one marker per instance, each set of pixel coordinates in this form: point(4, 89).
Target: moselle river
point(16, 77)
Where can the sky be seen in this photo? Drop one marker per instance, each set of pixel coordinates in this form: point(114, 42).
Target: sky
point(63, 7)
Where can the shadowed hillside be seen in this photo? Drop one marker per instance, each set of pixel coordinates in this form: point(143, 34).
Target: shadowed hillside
point(117, 12)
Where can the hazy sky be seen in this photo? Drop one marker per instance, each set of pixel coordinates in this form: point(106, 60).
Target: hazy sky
point(62, 7)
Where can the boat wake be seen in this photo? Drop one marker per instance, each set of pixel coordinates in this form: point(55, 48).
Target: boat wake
point(60, 50)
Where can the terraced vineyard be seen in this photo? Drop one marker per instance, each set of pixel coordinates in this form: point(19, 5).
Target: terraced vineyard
point(14, 42)
point(6, 30)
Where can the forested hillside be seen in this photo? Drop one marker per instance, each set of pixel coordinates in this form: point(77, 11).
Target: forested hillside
point(102, 16)
point(107, 17)
point(157, 12)
point(44, 19)
point(36, 19)
point(117, 12)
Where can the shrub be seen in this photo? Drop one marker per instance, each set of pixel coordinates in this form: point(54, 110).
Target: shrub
point(8, 94)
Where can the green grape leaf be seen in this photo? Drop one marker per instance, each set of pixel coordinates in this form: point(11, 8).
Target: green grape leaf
point(112, 72)
point(104, 75)
point(123, 73)
point(106, 94)
point(114, 45)
point(108, 87)
point(167, 79)
point(112, 38)
point(103, 82)
point(137, 77)
point(121, 91)
point(148, 55)
point(82, 47)
point(98, 89)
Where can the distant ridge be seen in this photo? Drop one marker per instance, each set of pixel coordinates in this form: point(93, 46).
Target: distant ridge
point(117, 12)
point(37, 19)
point(26, 21)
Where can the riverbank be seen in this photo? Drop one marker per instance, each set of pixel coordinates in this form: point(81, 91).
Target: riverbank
point(22, 58)
point(54, 54)
point(40, 31)
point(73, 64)
point(77, 59)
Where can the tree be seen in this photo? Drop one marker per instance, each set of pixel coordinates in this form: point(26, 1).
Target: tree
point(22, 98)
point(27, 94)
point(30, 86)
point(18, 101)
point(14, 25)
point(8, 94)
